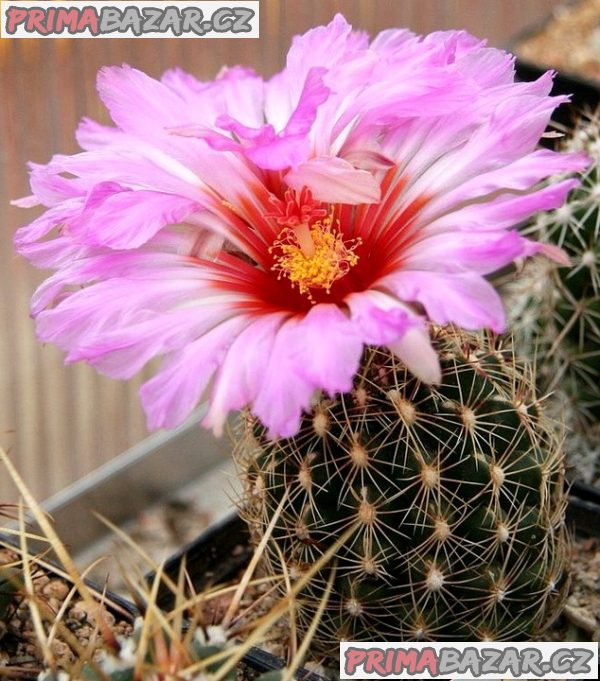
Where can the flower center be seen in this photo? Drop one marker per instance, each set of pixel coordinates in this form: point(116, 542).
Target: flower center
point(310, 250)
point(314, 256)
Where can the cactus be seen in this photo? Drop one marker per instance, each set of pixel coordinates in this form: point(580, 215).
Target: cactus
point(454, 494)
point(160, 659)
point(555, 311)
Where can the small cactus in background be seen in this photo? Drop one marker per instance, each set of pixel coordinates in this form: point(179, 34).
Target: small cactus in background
point(555, 311)
point(142, 657)
point(455, 493)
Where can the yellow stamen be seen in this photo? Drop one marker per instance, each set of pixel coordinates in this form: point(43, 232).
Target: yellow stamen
point(314, 256)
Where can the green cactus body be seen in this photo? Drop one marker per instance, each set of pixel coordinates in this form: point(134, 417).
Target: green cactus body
point(555, 311)
point(454, 493)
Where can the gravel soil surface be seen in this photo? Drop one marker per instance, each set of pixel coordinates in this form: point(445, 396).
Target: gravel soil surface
point(569, 41)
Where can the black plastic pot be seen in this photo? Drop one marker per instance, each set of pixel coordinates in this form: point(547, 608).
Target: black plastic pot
point(583, 511)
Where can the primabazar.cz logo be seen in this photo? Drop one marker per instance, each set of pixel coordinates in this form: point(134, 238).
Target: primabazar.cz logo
point(145, 19)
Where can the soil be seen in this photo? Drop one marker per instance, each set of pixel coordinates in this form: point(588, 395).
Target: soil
point(569, 41)
point(21, 655)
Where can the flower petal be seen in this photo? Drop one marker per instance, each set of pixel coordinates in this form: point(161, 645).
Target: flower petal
point(415, 350)
point(502, 211)
point(283, 394)
point(239, 378)
point(332, 363)
point(121, 218)
point(381, 319)
point(466, 251)
point(335, 181)
point(468, 299)
point(170, 397)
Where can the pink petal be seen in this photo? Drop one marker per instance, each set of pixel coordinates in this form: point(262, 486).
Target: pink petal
point(379, 318)
point(283, 394)
point(181, 81)
point(51, 188)
point(460, 251)
point(91, 135)
point(237, 91)
point(272, 348)
point(240, 375)
point(170, 397)
point(335, 48)
point(522, 174)
point(26, 201)
point(280, 153)
point(133, 166)
point(83, 316)
point(331, 363)
point(148, 110)
point(392, 40)
point(324, 46)
point(122, 352)
point(370, 160)
point(502, 211)
point(415, 350)
point(314, 93)
point(383, 320)
point(40, 227)
point(468, 299)
point(262, 145)
point(335, 181)
point(137, 103)
point(126, 219)
point(55, 253)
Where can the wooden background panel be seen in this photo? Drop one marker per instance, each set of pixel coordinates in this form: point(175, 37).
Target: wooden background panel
point(61, 422)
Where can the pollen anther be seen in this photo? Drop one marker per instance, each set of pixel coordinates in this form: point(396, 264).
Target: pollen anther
point(314, 256)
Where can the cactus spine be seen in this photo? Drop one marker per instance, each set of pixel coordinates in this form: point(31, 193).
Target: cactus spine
point(555, 311)
point(454, 493)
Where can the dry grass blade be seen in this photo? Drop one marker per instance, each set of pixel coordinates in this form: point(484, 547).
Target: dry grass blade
point(243, 585)
point(57, 546)
point(36, 617)
point(152, 564)
point(288, 586)
point(303, 649)
point(145, 634)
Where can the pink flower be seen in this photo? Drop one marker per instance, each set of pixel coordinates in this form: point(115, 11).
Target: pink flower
point(258, 234)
